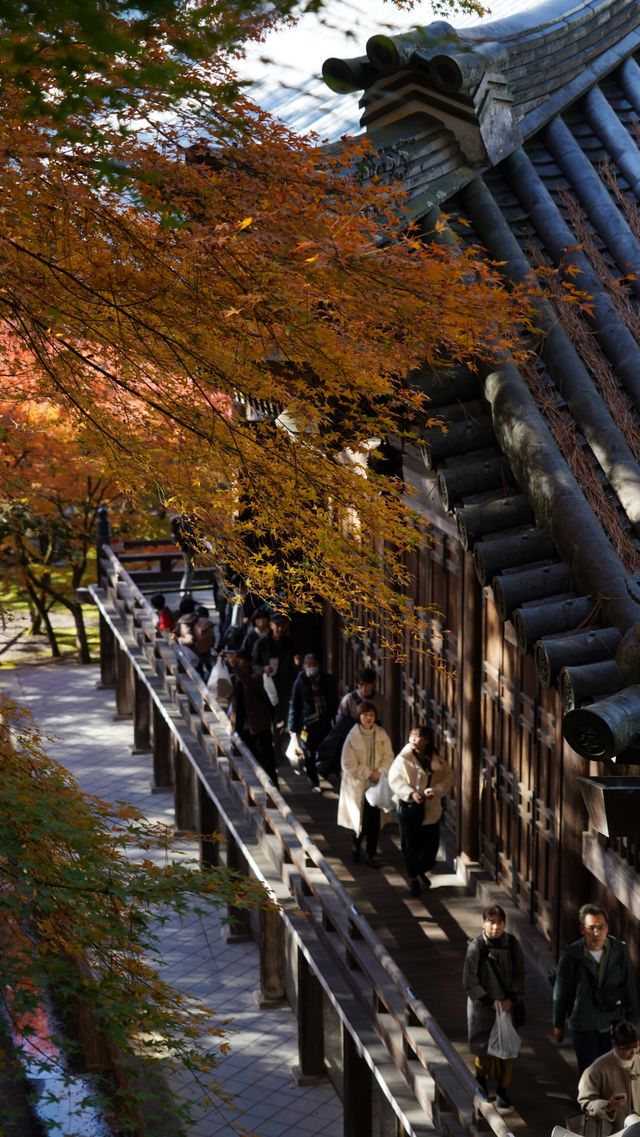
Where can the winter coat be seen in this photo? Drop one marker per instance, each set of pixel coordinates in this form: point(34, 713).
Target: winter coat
point(253, 709)
point(355, 773)
point(266, 649)
point(303, 711)
point(604, 1078)
point(493, 970)
point(407, 776)
point(349, 703)
point(592, 997)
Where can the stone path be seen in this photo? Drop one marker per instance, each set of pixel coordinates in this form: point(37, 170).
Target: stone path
point(258, 1073)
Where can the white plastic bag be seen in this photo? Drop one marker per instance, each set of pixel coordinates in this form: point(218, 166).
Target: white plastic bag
point(504, 1040)
point(293, 752)
point(219, 681)
point(270, 688)
point(379, 794)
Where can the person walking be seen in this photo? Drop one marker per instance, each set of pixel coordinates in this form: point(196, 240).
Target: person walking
point(493, 978)
point(594, 988)
point(252, 711)
point(418, 780)
point(609, 1088)
point(311, 710)
point(366, 754)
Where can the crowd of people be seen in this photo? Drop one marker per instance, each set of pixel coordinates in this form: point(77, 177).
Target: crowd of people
point(285, 707)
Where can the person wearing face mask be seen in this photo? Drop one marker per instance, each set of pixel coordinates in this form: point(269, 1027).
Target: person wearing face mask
point(594, 987)
point(609, 1088)
point(493, 978)
point(366, 754)
point(311, 710)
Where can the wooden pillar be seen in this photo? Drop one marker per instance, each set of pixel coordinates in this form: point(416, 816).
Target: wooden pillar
point(124, 685)
point(107, 655)
point(209, 823)
point(272, 966)
point(162, 769)
point(184, 790)
point(471, 660)
point(141, 716)
point(310, 1021)
point(357, 1089)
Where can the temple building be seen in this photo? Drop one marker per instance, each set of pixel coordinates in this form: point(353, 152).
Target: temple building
point(525, 133)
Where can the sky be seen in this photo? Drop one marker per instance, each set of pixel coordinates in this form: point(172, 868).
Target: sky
point(286, 69)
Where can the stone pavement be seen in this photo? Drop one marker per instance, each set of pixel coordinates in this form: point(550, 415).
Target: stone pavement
point(65, 702)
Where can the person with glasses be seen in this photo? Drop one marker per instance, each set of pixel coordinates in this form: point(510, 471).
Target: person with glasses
point(594, 988)
point(609, 1088)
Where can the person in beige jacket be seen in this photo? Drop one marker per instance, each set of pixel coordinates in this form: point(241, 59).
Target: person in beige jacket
point(609, 1089)
point(418, 780)
point(366, 754)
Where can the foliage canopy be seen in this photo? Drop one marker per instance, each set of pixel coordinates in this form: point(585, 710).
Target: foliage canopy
point(163, 273)
point(82, 910)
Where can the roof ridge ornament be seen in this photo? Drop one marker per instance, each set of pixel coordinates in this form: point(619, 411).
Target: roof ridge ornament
point(434, 73)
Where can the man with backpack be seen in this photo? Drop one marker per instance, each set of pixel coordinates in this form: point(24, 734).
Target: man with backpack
point(329, 751)
point(194, 633)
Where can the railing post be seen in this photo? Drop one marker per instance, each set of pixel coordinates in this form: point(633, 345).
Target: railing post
point(103, 536)
point(184, 791)
point(124, 685)
point(162, 771)
point(141, 716)
point(272, 967)
point(209, 823)
point(310, 1014)
point(107, 655)
point(356, 1089)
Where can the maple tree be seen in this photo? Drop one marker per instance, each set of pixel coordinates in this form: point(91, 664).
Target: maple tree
point(183, 257)
point(50, 490)
point(81, 916)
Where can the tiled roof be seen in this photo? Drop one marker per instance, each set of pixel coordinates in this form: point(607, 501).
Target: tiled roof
point(529, 129)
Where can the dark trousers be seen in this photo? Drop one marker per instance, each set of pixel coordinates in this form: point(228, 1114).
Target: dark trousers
point(261, 746)
point(370, 829)
point(419, 843)
point(315, 734)
point(589, 1045)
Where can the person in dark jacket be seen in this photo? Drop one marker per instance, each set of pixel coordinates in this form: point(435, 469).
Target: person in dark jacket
point(595, 987)
point(493, 978)
point(273, 655)
point(311, 710)
point(252, 711)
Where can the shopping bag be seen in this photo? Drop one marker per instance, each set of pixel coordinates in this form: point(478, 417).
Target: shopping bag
point(504, 1040)
point(379, 794)
point(293, 753)
point(270, 688)
point(219, 681)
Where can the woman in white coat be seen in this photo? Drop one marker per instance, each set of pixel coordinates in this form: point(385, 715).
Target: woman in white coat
point(366, 754)
point(418, 780)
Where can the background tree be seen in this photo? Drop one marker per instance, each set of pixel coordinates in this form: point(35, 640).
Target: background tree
point(50, 490)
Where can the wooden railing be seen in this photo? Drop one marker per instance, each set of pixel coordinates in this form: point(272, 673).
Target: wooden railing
point(359, 1022)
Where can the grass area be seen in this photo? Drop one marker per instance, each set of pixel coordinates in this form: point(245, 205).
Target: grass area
point(36, 649)
point(17, 647)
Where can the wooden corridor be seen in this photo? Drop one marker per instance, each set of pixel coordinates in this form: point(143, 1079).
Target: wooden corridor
point(427, 938)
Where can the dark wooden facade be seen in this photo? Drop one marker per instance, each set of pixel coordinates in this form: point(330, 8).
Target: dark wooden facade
point(527, 131)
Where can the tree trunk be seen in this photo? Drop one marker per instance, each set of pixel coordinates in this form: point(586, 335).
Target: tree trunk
point(84, 655)
point(39, 603)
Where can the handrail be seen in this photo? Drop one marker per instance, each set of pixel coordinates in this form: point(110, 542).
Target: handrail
point(413, 1043)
